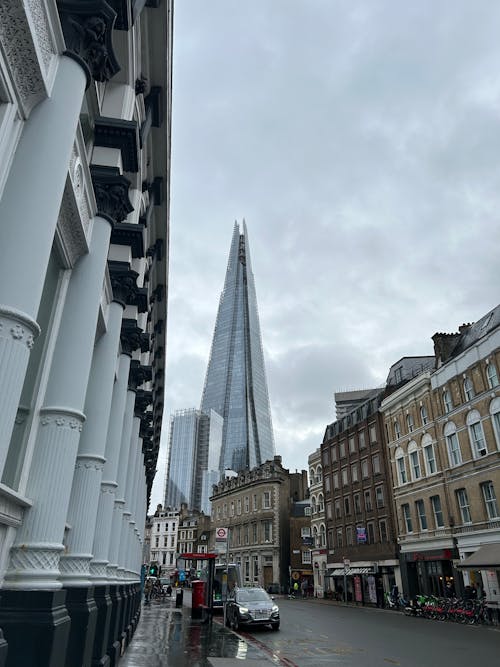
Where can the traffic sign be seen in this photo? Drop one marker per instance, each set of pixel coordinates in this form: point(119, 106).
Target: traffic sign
point(221, 534)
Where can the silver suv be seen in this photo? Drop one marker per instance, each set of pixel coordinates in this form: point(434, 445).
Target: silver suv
point(251, 606)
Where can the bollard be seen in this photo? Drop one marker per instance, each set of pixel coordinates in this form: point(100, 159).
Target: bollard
point(179, 594)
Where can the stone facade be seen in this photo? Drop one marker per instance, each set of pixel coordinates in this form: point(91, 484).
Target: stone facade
point(84, 220)
point(318, 523)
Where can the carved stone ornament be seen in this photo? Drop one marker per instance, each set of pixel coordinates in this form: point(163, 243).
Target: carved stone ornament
point(87, 26)
point(138, 374)
point(111, 193)
point(123, 282)
point(29, 47)
point(130, 336)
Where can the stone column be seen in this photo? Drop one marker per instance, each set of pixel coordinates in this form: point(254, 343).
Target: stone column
point(32, 196)
point(35, 555)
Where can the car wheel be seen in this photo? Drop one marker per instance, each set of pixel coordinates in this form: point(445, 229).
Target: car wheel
point(275, 626)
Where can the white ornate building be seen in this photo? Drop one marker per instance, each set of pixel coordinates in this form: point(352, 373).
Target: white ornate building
point(318, 524)
point(85, 117)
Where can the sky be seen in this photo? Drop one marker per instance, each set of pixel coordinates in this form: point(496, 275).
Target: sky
point(360, 140)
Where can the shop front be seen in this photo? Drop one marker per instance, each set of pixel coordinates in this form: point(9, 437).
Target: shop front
point(429, 573)
point(361, 584)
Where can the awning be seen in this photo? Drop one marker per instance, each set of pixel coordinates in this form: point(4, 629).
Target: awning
point(487, 557)
point(339, 572)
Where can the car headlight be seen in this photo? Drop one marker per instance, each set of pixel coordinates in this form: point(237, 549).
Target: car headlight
point(275, 608)
point(243, 610)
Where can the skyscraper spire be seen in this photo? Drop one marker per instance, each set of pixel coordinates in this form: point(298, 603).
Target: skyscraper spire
point(235, 383)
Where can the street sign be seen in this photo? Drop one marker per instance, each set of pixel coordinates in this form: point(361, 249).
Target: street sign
point(221, 534)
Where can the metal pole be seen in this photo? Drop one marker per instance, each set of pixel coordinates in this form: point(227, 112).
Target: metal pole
point(227, 576)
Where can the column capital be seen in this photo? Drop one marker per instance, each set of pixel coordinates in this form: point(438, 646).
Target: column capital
point(130, 336)
point(111, 193)
point(123, 282)
point(87, 27)
point(139, 374)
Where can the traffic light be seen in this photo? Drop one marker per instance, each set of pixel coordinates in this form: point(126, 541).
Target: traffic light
point(153, 570)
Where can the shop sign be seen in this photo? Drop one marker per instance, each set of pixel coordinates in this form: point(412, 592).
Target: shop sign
point(361, 535)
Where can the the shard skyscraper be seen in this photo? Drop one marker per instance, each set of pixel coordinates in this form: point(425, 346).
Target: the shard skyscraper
point(235, 383)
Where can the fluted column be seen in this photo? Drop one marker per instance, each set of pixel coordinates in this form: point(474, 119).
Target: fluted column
point(115, 567)
point(132, 472)
point(32, 196)
point(35, 555)
point(102, 534)
point(90, 461)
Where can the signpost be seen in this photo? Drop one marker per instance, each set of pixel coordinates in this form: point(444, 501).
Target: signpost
point(221, 540)
point(347, 564)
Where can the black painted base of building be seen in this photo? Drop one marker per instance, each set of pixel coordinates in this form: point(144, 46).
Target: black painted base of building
point(87, 627)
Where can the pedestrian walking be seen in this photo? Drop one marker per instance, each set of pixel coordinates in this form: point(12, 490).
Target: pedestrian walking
point(304, 585)
point(148, 589)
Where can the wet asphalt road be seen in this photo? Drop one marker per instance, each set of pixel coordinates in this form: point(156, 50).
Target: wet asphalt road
point(315, 634)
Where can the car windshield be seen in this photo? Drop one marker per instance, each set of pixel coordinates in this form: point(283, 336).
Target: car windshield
point(253, 595)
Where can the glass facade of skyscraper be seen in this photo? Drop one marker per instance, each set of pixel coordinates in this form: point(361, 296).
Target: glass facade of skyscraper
point(235, 383)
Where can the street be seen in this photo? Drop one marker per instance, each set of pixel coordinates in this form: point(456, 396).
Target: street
point(317, 633)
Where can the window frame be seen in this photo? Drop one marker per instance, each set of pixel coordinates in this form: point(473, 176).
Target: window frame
point(437, 510)
point(463, 507)
point(491, 501)
point(421, 514)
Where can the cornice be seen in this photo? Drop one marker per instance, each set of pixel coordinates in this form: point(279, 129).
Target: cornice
point(121, 134)
point(126, 233)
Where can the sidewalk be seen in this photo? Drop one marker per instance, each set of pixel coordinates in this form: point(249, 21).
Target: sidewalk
point(168, 636)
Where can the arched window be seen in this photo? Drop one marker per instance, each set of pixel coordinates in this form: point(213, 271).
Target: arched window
point(453, 444)
point(322, 536)
point(429, 455)
point(397, 430)
point(476, 434)
point(468, 389)
point(313, 504)
point(315, 537)
point(424, 417)
point(401, 466)
point(319, 474)
point(414, 459)
point(495, 418)
point(491, 372)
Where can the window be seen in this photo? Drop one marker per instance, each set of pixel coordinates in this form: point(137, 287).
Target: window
point(490, 500)
point(345, 477)
point(327, 484)
point(370, 533)
point(224, 510)
point(379, 497)
point(357, 503)
point(255, 567)
point(368, 501)
point(424, 417)
point(347, 505)
point(422, 519)
point(232, 509)
point(437, 511)
point(463, 505)
point(382, 526)
point(468, 389)
point(476, 434)
point(326, 457)
point(254, 502)
point(157, 541)
point(397, 430)
point(340, 541)
point(329, 511)
point(307, 511)
point(254, 533)
point(165, 541)
point(338, 512)
point(352, 445)
point(376, 464)
point(342, 449)
point(157, 527)
point(305, 531)
point(238, 506)
point(447, 402)
point(410, 423)
point(373, 434)
point(334, 453)
point(306, 557)
point(407, 518)
point(429, 456)
point(321, 503)
point(364, 468)
point(491, 372)
point(361, 440)
point(336, 480)
point(322, 536)
point(416, 472)
point(495, 417)
point(354, 473)
point(268, 530)
point(454, 453)
point(349, 536)
point(401, 467)
point(266, 500)
point(331, 544)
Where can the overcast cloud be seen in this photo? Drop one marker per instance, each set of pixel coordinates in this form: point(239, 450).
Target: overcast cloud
point(360, 140)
